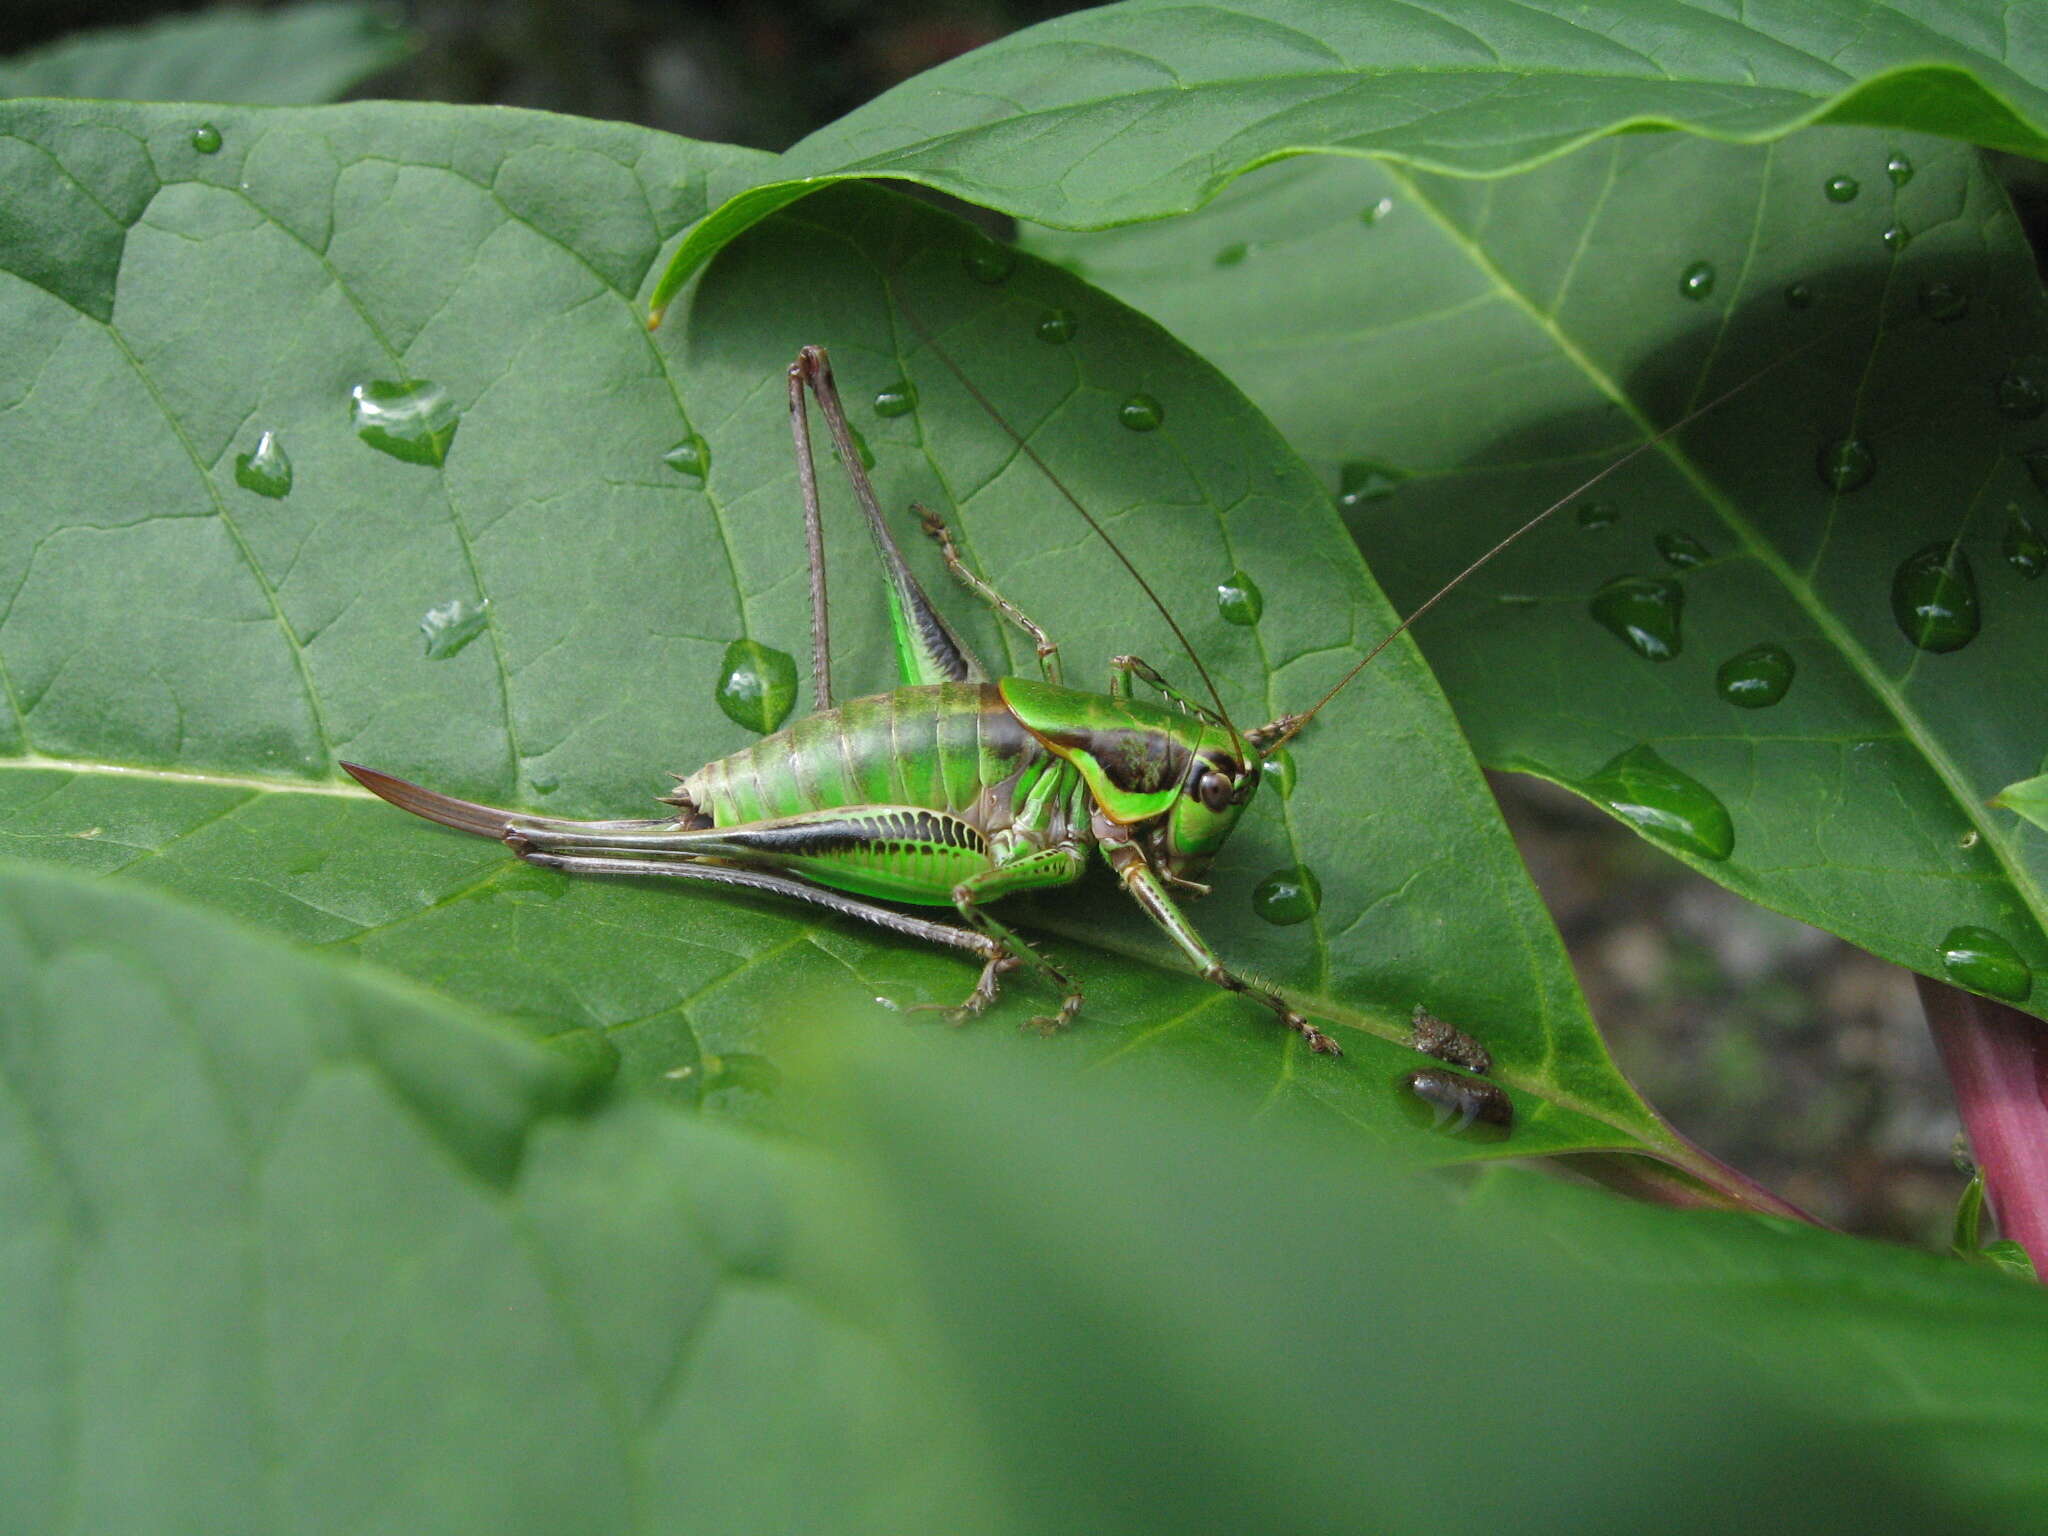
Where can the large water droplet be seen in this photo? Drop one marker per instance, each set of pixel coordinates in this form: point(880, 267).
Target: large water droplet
point(1683, 550)
point(1985, 961)
point(2025, 550)
point(1841, 189)
point(1372, 213)
point(1458, 1105)
point(1643, 612)
point(1755, 678)
point(206, 139)
point(2019, 397)
point(691, 456)
point(1288, 896)
point(1667, 806)
point(989, 261)
point(449, 626)
point(1280, 768)
point(1799, 296)
point(1697, 280)
point(415, 422)
point(267, 471)
point(1896, 238)
point(1056, 327)
point(1846, 464)
point(1364, 480)
point(1899, 168)
point(1141, 413)
point(1943, 303)
point(1934, 597)
point(1239, 599)
point(1232, 255)
point(898, 399)
point(1595, 515)
point(756, 685)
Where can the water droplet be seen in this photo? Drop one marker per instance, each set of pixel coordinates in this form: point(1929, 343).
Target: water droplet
point(1288, 896)
point(206, 139)
point(1665, 805)
point(1232, 254)
point(1985, 961)
point(449, 626)
point(756, 685)
point(1968, 840)
point(1596, 515)
point(1934, 597)
point(1755, 678)
point(1364, 480)
point(1239, 599)
point(1643, 611)
point(2019, 397)
point(1899, 168)
point(2025, 550)
point(1056, 327)
point(590, 1054)
point(1943, 302)
point(1697, 281)
point(989, 261)
point(1799, 296)
point(1372, 213)
point(414, 422)
point(267, 471)
point(544, 783)
point(1141, 413)
point(1845, 464)
point(1458, 1105)
point(691, 456)
point(1280, 766)
point(1896, 238)
point(1683, 550)
point(1841, 189)
point(899, 399)
point(860, 446)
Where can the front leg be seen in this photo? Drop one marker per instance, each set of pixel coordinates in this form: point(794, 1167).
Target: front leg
point(1149, 891)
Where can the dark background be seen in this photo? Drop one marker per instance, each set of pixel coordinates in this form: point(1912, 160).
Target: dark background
point(1798, 1059)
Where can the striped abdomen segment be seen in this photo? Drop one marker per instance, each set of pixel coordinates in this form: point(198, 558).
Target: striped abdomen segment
point(897, 854)
point(938, 746)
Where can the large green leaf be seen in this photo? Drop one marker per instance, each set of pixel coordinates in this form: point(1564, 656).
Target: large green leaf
point(1149, 108)
point(291, 56)
point(295, 1248)
point(187, 658)
point(1498, 341)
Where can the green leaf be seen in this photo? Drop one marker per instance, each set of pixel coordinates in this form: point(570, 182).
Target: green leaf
point(188, 658)
point(291, 56)
point(1498, 342)
point(1149, 108)
point(2028, 798)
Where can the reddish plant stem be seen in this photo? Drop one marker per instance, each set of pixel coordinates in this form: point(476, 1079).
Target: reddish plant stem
point(1997, 1060)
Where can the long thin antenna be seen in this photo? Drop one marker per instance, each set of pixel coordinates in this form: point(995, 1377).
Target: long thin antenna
point(1444, 591)
point(1102, 533)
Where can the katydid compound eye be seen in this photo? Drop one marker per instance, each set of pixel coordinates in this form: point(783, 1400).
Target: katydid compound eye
point(1214, 791)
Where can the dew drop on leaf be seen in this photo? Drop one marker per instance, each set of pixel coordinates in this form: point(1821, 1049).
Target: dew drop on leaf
point(1943, 303)
point(1667, 806)
point(415, 422)
point(1056, 327)
point(1756, 678)
point(1643, 612)
point(1985, 961)
point(1697, 281)
point(1232, 254)
point(1682, 550)
point(1457, 1105)
point(1288, 896)
point(1594, 515)
point(691, 456)
point(1934, 597)
point(267, 471)
point(448, 627)
point(2024, 549)
point(1239, 599)
point(898, 399)
point(989, 261)
point(1373, 212)
point(1141, 413)
point(1841, 189)
point(2019, 397)
point(1899, 168)
point(1896, 238)
point(1280, 766)
point(1364, 480)
point(206, 139)
point(1799, 296)
point(756, 685)
point(1845, 464)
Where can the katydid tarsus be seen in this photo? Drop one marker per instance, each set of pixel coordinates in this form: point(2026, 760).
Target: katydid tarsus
point(957, 788)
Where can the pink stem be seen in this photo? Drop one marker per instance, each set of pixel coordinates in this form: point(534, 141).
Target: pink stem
point(1999, 1069)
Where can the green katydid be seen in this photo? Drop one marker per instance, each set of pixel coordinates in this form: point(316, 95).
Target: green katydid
point(955, 789)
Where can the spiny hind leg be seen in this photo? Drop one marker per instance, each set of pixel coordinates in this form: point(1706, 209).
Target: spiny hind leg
point(1048, 652)
point(1061, 864)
